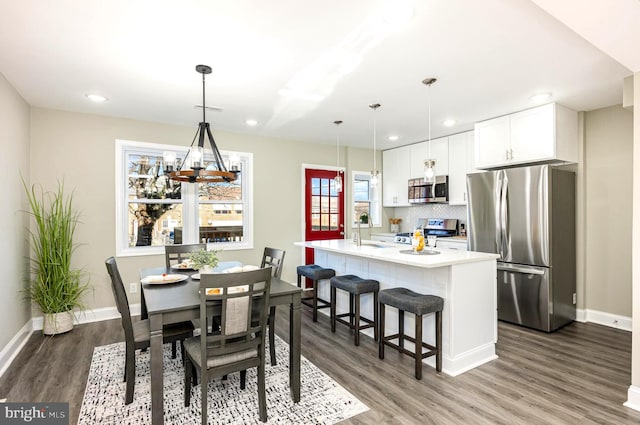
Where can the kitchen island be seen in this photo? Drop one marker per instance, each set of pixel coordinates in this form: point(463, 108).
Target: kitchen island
point(465, 279)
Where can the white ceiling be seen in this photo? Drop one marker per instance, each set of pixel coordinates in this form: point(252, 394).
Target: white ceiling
point(489, 57)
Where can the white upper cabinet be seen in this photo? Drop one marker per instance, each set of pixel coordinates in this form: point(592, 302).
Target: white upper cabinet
point(439, 151)
point(395, 177)
point(547, 133)
point(461, 163)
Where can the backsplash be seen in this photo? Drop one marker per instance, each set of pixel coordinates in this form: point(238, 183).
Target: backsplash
point(410, 215)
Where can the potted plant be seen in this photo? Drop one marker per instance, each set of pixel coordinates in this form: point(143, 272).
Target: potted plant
point(204, 260)
point(55, 286)
point(364, 218)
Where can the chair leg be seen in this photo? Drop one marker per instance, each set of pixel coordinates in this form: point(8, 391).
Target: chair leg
point(173, 350)
point(315, 300)
point(272, 334)
point(401, 328)
point(381, 332)
point(439, 341)
point(182, 352)
point(203, 393)
point(262, 398)
point(243, 379)
point(356, 319)
point(376, 335)
point(333, 309)
point(130, 373)
point(418, 347)
point(187, 382)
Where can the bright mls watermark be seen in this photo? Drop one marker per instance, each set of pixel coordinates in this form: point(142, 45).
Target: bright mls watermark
point(34, 413)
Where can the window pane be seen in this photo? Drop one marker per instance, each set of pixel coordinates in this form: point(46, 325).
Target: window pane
point(153, 224)
point(324, 187)
point(361, 190)
point(220, 222)
point(324, 220)
point(333, 205)
point(315, 204)
point(315, 186)
point(222, 191)
point(334, 221)
point(315, 222)
point(359, 208)
point(147, 179)
point(324, 204)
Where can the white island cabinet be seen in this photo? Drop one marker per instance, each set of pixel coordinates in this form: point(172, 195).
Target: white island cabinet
point(466, 281)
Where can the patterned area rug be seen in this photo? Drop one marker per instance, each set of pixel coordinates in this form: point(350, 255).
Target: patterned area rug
point(323, 400)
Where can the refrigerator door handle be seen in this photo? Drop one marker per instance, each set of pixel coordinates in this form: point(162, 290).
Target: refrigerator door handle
point(504, 216)
point(513, 268)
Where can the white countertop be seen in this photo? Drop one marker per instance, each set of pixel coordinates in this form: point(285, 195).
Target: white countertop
point(391, 252)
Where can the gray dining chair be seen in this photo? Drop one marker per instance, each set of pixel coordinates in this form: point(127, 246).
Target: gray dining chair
point(137, 334)
point(275, 258)
point(239, 343)
point(175, 254)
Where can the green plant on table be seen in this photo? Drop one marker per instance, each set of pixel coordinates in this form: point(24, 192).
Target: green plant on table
point(54, 285)
point(204, 258)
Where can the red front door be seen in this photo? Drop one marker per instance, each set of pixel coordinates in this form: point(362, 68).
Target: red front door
point(324, 208)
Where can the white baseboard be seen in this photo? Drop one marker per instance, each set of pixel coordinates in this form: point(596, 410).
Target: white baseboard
point(11, 350)
point(606, 319)
point(90, 316)
point(633, 398)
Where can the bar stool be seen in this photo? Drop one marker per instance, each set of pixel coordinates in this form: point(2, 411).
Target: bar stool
point(355, 286)
point(406, 300)
point(315, 273)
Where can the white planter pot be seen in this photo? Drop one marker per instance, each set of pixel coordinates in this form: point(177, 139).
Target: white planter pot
point(57, 323)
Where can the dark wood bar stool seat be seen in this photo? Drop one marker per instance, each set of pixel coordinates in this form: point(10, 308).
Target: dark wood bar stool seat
point(315, 273)
point(406, 300)
point(355, 286)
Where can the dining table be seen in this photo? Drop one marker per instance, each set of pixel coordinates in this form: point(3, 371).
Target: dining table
point(175, 302)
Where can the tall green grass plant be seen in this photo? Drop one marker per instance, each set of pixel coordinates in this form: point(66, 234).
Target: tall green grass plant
point(54, 286)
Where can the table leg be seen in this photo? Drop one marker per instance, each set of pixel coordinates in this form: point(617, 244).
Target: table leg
point(157, 397)
point(294, 348)
point(143, 306)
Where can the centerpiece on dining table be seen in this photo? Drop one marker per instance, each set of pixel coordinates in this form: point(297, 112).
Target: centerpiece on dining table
point(204, 261)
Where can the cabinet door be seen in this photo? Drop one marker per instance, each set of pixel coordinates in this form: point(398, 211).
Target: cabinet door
point(491, 142)
point(395, 176)
point(460, 163)
point(440, 152)
point(532, 134)
point(417, 154)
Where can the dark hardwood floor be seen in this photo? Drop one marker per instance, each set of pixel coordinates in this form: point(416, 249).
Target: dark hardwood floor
point(577, 375)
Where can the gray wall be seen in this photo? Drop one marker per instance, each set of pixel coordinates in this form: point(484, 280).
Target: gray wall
point(14, 142)
point(608, 168)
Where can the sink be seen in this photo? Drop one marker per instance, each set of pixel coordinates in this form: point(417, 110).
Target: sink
point(423, 252)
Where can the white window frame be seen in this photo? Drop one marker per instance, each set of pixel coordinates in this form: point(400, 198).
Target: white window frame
point(190, 213)
point(375, 205)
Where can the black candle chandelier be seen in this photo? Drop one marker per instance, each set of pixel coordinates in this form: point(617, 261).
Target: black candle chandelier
point(215, 171)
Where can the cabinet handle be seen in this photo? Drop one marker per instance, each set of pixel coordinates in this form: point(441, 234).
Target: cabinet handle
point(511, 154)
point(506, 154)
point(464, 196)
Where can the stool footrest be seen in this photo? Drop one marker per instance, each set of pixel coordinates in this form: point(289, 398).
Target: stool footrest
point(386, 341)
point(309, 303)
point(369, 323)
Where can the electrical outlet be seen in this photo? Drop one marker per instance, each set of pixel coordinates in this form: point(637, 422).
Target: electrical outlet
point(133, 287)
point(574, 298)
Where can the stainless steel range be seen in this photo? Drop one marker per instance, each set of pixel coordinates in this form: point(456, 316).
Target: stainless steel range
point(440, 227)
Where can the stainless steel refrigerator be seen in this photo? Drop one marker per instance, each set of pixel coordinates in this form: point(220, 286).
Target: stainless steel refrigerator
point(527, 216)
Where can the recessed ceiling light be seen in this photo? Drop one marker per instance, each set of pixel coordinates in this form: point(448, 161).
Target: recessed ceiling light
point(251, 123)
point(96, 98)
point(393, 138)
point(540, 96)
point(448, 123)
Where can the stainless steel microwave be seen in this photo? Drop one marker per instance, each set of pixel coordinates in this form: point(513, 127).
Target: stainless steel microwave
point(425, 193)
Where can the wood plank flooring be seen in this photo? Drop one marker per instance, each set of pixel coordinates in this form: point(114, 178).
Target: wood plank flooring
point(577, 375)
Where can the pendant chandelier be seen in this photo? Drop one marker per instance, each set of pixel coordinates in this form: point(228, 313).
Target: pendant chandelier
point(216, 171)
point(374, 173)
point(338, 178)
point(429, 163)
